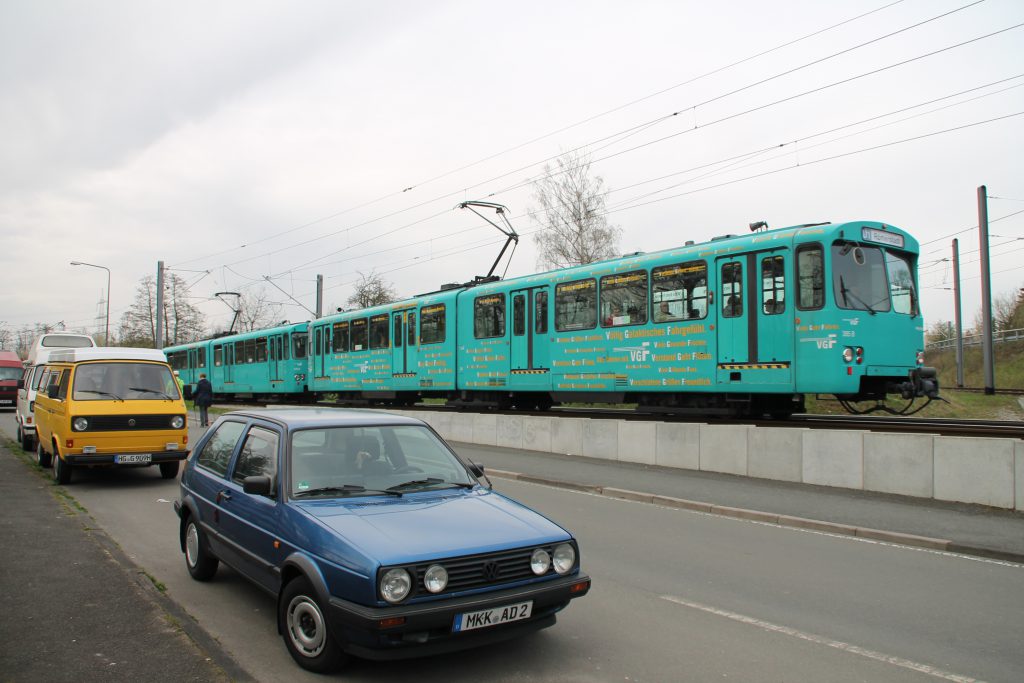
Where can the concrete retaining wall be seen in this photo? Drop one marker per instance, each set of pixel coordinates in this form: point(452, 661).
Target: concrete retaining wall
point(967, 470)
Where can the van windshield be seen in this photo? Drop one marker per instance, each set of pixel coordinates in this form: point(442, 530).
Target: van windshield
point(10, 373)
point(121, 381)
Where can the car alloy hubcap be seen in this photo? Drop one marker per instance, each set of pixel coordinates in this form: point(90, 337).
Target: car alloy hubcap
point(306, 626)
point(191, 545)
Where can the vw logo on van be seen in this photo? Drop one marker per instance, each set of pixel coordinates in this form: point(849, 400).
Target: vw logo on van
point(131, 422)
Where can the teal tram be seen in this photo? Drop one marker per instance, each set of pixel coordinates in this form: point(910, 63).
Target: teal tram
point(739, 325)
point(263, 364)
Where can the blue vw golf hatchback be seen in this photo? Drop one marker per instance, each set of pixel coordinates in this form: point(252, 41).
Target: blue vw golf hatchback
point(376, 538)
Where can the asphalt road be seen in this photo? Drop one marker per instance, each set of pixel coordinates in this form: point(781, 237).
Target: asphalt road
point(677, 595)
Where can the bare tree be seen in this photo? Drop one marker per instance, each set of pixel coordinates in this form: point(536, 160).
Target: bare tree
point(256, 311)
point(6, 336)
point(571, 212)
point(940, 330)
point(372, 290)
point(183, 322)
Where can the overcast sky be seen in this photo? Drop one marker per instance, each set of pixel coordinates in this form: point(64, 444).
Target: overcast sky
point(237, 141)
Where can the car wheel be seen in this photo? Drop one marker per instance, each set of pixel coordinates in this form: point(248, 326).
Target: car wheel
point(201, 564)
point(305, 630)
point(61, 470)
point(169, 470)
point(42, 457)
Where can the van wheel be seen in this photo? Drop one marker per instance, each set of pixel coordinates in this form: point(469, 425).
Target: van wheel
point(61, 470)
point(305, 631)
point(169, 470)
point(42, 457)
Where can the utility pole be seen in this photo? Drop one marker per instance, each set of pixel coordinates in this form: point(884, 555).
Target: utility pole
point(158, 341)
point(319, 296)
point(986, 293)
point(959, 320)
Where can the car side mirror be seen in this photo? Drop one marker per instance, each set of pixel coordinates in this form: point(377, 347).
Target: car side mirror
point(477, 470)
point(52, 390)
point(21, 384)
point(258, 484)
point(187, 392)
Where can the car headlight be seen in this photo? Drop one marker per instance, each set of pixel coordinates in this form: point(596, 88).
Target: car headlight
point(79, 424)
point(395, 585)
point(436, 578)
point(540, 561)
point(177, 422)
point(564, 558)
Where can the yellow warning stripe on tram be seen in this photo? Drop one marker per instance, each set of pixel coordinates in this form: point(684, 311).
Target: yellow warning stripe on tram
point(753, 366)
point(530, 372)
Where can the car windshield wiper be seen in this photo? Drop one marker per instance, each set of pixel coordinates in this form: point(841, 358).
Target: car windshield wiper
point(102, 393)
point(429, 481)
point(844, 291)
point(346, 489)
point(150, 391)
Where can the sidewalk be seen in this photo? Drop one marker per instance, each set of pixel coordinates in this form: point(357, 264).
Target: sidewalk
point(75, 607)
point(969, 529)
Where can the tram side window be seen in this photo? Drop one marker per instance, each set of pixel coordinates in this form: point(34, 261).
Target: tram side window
point(202, 357)
point(300, 340)
point(412, 328)
point(379, 332)
point(540, 313)
point(901, 283)
point(810, 276)
point(432, 325)
point(576, 305)
point(732, 290)
point(358, 332)
point(341, 337)
point(261, 350)
point(773, 285)
point(519, 315)
point(680, 291)
point(218, 356)
point(398, 330)
point(489, 316)
point(624, 299)
point(177, 359)
point(239, 353)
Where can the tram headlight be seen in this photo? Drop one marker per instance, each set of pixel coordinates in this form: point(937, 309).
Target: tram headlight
point(848, 354)
point(920, 357)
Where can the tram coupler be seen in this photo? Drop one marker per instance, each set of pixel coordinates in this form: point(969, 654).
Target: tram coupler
point(923, 381)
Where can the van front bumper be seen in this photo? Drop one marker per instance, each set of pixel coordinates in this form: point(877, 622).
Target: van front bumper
point(112, 458)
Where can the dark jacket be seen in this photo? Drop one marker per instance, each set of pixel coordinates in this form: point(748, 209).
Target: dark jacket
point(203, 395)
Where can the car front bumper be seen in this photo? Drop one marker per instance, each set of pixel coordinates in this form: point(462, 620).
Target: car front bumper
point(428, 627)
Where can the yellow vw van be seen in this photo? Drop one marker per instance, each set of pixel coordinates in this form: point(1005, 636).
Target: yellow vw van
point(110, 407)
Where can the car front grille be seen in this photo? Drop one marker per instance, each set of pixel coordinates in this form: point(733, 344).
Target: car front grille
point(127, 423)
point(476, 571)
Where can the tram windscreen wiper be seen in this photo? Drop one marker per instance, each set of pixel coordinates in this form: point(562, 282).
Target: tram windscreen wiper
point(346, 489)
point(844, 291)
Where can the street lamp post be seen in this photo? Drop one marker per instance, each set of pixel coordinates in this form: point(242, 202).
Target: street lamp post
point(106, 332)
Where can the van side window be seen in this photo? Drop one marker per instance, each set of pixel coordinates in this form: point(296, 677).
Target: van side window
point(65, 379)
point(216, 454)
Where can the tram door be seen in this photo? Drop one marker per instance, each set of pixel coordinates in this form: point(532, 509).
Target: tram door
point(404, 350)
point(530, 352)
point(274, 345)
point(733, 319)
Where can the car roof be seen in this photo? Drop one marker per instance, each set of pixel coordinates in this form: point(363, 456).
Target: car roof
point(304, 418)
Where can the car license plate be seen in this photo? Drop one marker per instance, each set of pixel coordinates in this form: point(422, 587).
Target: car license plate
point(133, 459)
point(493, 617)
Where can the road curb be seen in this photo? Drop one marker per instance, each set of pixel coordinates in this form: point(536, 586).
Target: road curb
point(912, 540)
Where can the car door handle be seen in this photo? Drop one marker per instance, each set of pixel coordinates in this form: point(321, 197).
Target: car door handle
point(223, 495)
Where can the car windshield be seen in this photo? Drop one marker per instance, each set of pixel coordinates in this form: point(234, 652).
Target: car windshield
point(10, 373)
point(121, 381)
point(362, 461)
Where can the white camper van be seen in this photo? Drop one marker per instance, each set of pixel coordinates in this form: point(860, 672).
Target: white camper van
point(30, 378)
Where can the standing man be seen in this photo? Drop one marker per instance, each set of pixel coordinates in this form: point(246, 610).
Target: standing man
point(203, 399)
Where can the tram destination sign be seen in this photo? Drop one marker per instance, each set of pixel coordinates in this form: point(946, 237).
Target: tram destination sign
point(883, 237)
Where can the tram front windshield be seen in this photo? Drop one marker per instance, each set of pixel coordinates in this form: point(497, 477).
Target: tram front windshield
point(868, 278)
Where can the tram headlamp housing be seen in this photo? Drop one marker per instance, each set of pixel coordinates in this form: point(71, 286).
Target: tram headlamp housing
point(848, 354)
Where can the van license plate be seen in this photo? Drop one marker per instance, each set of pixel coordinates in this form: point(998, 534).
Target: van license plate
point(133, 459)
point(493, 617)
